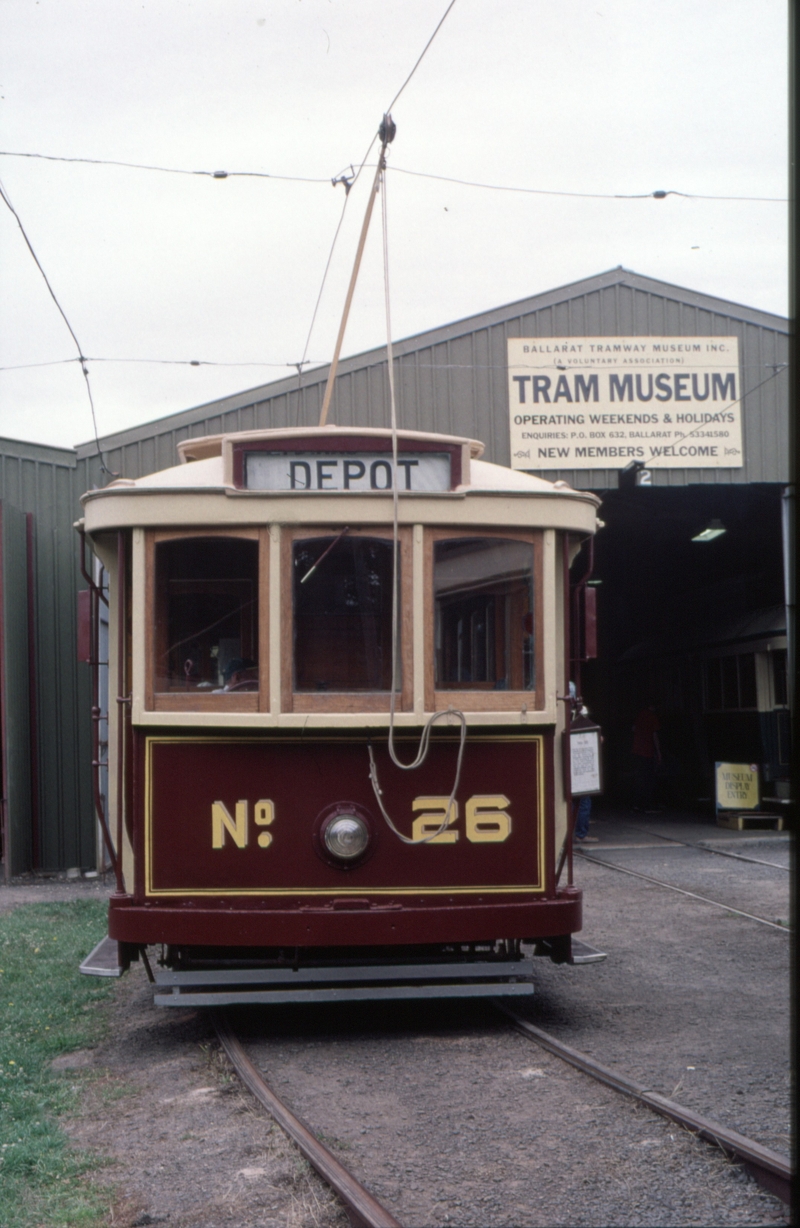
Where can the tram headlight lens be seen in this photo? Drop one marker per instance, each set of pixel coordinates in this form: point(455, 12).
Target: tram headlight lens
point(346, 836)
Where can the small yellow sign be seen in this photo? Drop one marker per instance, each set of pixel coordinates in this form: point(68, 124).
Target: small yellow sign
point(737, 786)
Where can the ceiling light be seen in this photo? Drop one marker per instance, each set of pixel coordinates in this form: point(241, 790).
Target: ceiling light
point(714, 528)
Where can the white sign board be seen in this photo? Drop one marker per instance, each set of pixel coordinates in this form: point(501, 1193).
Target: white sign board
point(602, 402)
point(584, 761)
point(359, 471)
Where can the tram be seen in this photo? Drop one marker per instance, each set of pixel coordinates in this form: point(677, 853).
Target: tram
point(340, 688)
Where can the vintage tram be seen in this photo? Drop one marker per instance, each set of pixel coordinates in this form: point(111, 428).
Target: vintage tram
point(339, 683)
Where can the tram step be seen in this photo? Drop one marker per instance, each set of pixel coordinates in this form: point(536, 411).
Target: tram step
point(736, 820)
point(582, 953)
point(103, 960)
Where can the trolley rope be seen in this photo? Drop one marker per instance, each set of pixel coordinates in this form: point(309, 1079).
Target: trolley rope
point(425, 736)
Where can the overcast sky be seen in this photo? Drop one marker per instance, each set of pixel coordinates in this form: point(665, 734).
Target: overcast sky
point(574, 96)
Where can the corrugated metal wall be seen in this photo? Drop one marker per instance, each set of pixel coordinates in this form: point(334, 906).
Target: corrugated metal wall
point(454, 379)
point(47, 482)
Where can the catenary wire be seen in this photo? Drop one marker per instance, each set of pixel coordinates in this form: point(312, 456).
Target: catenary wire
point(422, 55)
point(350, 183)
point(658, 194)
point(163, 170)
point(653, 464)
point(81, 357)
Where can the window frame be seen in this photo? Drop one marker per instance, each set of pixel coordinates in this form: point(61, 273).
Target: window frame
point(345, 701)
point(482, 699)
point(194, 701)
point(717, 659)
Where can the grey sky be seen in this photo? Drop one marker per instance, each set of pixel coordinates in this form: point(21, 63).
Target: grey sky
point(606, 96)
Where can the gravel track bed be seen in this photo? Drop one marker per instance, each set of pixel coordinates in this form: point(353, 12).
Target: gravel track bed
point(450, 1118)
point(453, 1119)
point(755, 888)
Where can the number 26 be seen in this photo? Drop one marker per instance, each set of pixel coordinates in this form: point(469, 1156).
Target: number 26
point(487, 821)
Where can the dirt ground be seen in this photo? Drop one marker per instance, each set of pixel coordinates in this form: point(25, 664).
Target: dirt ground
point(185, 1145)
point(448, 1115)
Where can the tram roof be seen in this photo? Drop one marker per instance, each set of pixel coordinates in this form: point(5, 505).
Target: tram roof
point(203, 465)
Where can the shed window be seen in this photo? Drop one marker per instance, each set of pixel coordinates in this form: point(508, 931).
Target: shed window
point(206, 615)
point(483, 591)
point(342, 597)
point(731, 683)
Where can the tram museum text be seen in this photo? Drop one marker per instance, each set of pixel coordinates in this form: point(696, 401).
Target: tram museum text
point(663, 430)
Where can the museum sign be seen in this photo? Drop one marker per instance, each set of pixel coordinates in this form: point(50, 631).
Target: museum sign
point(602, 402)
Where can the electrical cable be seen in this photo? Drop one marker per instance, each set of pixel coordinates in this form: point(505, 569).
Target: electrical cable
point(653, 464)
point(659, 194)
point(425, 737)
point(422, 56)
point(164, 170)
point(63, 314)
point(304, 361)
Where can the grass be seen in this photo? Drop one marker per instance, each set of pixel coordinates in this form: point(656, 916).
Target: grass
point(46, 1009)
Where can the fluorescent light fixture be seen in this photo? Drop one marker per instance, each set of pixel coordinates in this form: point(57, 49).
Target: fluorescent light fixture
point(714, 528)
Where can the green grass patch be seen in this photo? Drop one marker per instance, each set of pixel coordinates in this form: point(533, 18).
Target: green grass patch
point(46, 1008)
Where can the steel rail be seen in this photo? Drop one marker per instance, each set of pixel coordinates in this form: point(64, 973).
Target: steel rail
point(363, 1209)
point(769, 1168)
point(692, 844)
point(648, 878)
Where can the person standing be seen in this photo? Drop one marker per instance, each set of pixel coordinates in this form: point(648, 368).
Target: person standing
point(646, 758)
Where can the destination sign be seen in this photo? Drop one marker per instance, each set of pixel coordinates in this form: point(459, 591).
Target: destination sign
point(602, 402)
point(342, 471)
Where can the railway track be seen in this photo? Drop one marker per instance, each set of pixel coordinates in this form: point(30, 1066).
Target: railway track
point(769, 1168)
point(363, 1209)
point(714, 852)
point(659, 882)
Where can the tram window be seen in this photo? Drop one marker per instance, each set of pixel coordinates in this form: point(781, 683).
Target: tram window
point(483, 590)
point(206, 632)
point(342, 594)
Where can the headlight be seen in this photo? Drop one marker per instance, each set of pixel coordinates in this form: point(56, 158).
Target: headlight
point(346, 837)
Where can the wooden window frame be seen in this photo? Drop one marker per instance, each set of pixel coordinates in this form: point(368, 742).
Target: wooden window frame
point(193, 701)
point(345, 701)
point(481, 699)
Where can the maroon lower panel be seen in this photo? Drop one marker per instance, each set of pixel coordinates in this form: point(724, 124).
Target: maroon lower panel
point(232, 816)
point(345, 922)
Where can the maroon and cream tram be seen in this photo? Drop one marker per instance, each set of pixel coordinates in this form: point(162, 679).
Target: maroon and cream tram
point(338, 680)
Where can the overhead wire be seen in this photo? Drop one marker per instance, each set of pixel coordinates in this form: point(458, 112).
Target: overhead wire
point(350, 182)
point(164, 170)
point(81, 357)
point(658, 194)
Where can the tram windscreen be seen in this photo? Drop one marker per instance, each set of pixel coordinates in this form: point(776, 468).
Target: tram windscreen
point(342, 590)
point(206, 632)
point(483, 590)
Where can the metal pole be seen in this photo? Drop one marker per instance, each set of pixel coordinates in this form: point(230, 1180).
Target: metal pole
point(387, 131)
